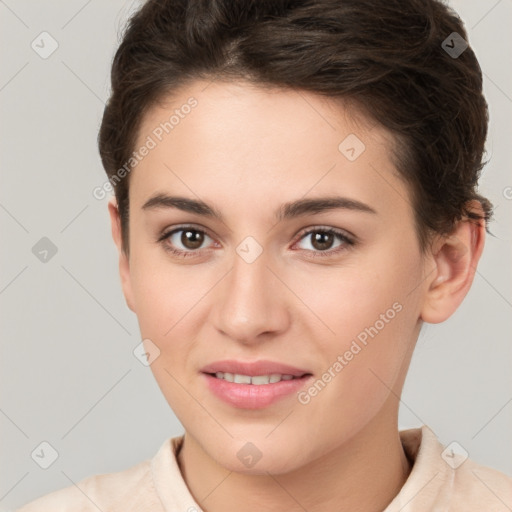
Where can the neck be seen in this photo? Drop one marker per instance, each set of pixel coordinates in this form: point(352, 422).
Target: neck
point(363, 474)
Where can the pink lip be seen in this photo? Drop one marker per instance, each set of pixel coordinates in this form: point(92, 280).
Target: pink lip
point(251, 396)
point(253, 368)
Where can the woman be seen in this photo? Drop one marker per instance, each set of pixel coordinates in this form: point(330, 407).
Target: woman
point(295, 195)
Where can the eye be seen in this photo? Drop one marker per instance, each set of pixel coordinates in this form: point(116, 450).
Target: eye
point(322, 241)
point(188, 241)
point(184, 241)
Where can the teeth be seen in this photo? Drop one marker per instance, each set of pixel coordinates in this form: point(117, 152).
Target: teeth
point(242, 379)
point(260, 379)
point(256, 380)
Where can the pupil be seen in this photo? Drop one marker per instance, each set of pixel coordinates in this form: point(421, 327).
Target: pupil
point(192, 239)
point(322, 241)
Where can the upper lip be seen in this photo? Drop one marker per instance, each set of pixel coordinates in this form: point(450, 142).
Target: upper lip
point(253, 368)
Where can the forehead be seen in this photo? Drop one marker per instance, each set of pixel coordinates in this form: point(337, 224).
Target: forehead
point(233, 110)
point(217, 139)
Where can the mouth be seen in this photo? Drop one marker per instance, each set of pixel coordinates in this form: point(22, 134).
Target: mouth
point(256, 380)
point(254, 385)
point(244, 371)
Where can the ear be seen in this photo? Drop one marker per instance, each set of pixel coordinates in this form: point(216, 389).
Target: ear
point(124, 263)
point(454, 260)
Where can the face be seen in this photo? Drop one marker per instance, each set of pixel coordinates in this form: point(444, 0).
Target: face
point(331, 289)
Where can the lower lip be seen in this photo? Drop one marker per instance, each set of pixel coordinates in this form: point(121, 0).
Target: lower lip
point(252, 396)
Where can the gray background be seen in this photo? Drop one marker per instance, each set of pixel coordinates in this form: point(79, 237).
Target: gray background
point(68, 375)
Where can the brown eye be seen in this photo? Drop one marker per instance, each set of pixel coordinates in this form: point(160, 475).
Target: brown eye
point(322, 241)
point(191, 238)
point(325, 241)
point(184, 240)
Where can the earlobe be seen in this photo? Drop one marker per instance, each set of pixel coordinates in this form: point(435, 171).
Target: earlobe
point(455, 258)
point(124, 263)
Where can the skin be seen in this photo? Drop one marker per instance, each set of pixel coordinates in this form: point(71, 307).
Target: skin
point(246, 151)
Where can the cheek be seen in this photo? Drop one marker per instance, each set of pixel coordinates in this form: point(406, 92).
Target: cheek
point(364, 361)
point(166, 293)
point(371, 316)
point(169, 313)
point(348, 299)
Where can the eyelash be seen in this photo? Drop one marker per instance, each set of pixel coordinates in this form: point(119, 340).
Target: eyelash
point(347, 242)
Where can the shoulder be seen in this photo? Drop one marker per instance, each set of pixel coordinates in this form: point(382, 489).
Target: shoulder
point(130, 489)
point(477, 487)
point(444, 478)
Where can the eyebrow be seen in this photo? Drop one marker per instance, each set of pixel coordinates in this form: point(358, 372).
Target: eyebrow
point(298, 208)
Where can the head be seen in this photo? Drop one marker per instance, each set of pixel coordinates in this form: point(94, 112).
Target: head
point(235, 111)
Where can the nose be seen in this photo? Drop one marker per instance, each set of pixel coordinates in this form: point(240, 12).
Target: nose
point(251, 303)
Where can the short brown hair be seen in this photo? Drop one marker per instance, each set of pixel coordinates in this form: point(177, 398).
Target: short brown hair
point(387, 58)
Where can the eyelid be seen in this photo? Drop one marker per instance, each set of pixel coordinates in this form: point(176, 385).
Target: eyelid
point(167, 232)
point(318, 227)
point(348, 239)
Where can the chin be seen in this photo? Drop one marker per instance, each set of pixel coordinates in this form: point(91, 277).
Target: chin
point(257, 457)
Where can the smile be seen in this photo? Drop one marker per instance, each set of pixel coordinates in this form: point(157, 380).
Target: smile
point(257, 380)
point(254, 392)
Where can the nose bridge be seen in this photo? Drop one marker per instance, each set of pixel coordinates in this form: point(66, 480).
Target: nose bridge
point(250, 302)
